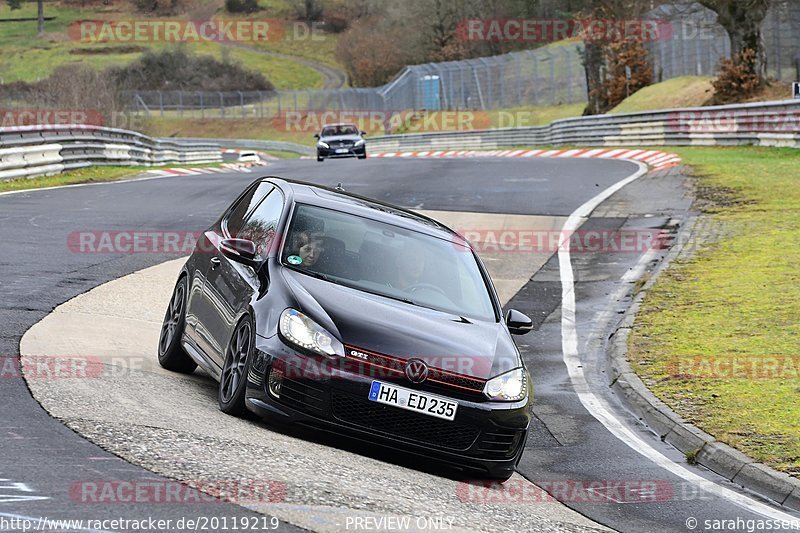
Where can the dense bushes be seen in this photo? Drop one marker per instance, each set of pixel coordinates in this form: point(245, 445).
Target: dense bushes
point(173, 70)
point(164, 8)
point(737, 78)
point(77, 87)
point(241, 6)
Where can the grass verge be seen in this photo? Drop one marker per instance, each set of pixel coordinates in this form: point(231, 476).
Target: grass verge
point(96, 174)
point(282, 155)
point(718, 335)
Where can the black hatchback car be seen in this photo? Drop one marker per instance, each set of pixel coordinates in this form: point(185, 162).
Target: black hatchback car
point(313, 306)
point(340, 140)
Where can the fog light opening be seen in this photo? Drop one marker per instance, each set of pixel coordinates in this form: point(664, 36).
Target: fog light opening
point(275, 382)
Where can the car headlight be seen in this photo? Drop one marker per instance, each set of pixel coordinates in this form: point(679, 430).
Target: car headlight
point(323, 145)
point(509, 387)
point(300, 330)
point(359, 142)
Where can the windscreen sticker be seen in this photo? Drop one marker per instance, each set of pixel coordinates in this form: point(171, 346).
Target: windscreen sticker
point(294, 259)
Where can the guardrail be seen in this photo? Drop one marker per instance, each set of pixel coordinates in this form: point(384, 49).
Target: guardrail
point(252, 144)
point(761, 124)
point(31, 151)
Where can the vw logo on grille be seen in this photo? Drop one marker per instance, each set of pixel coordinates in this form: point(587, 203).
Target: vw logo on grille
point(416, 371)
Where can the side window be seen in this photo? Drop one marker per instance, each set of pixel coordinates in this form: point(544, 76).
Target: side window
point(261, 226)
point(235, 220)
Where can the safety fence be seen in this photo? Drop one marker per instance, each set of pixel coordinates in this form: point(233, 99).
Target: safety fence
point(762, 124)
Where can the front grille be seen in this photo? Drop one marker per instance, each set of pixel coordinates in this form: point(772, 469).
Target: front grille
point(402, 424)
point(303, 396)
point(499, 443)
point(379, 366)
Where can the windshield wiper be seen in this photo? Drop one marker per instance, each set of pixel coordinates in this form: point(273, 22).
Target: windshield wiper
point(312, 273)
point(398, 298)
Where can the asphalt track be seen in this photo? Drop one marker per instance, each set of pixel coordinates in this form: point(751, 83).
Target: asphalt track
point(43, 460)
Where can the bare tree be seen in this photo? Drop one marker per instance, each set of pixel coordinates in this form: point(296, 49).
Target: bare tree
point(40, 16)
point(596, 49)
point(307, 10)
point(742, 20)
point(16, 4)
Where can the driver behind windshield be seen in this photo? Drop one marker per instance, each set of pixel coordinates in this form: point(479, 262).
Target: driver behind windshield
point(307, 247)
point(410, 264)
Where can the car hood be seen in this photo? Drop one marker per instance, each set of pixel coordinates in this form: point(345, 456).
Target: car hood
point(338, 138)
point(374, 323)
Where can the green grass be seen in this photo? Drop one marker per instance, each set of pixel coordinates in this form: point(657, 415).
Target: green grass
point(686, 91)
point(734, 303)
point(95, 174)
point(214, 128)
point(83, 175)
point(26, 57)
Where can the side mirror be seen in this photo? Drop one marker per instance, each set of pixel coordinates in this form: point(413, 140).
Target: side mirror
point(518, 323)
point(316, 136)
point(363, 133)
point(239, 250)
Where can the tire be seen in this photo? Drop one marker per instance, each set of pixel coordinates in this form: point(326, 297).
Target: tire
point(362, 156)
point(233, 381)
point(320, 159)
point(170, 353)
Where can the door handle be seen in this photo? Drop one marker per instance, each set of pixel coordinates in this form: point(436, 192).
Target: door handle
point(215, 262)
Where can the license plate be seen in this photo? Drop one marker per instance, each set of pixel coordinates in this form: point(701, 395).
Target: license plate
point(412, 400)
point(342, 150)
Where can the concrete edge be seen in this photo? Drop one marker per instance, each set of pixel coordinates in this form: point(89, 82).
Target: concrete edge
point(670, 427)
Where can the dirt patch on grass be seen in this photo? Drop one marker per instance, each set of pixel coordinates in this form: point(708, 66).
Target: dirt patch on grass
point(107, 50)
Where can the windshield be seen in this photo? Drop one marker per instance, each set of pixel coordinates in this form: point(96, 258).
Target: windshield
point(387, 260)
point(330, 131)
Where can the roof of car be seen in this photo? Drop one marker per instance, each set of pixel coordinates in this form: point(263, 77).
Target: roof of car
point(320, 195)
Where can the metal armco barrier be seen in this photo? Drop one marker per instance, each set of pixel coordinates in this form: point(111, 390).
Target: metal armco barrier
point(31, 151)
point(761, 124)
point(252, 144)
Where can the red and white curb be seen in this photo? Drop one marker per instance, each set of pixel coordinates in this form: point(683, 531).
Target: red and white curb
point(655, 159)
point(225, 168)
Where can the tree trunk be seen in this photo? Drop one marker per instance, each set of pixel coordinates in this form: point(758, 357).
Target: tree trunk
point(593, 62)
point(593, 66)
point(742, 21)
point(40, 23)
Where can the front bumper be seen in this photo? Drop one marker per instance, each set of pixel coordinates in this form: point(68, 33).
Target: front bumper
point(351, 151)
point(486, 438)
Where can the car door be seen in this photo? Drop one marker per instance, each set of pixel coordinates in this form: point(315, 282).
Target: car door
point(230, 285)
point(200, 310)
